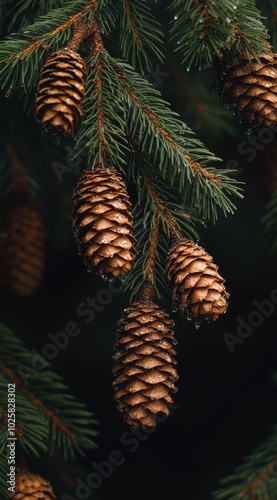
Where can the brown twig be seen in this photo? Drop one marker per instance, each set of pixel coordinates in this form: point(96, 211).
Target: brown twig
point(100, 126)
point(161, 208)
point(132, 21)
point(149, 266)
point(72, 20)
point(81, 31)
point(147, 292)
point(259, 481)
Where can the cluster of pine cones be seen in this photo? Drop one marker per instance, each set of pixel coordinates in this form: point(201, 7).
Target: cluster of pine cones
point(145, 366)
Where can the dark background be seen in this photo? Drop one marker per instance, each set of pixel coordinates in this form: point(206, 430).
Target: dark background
point(226, 403)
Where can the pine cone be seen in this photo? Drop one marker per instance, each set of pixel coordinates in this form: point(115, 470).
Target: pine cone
point(144, 367)
point(194, 282)
point(102, 222)
point(60, 91)
point(22, 250)
point(32, 486)
point(251, 88)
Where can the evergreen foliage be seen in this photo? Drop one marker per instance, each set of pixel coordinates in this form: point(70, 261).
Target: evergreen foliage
point(177, 183)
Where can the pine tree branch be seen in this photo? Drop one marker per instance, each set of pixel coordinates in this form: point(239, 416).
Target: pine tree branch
point(149, 266)
point(256, 477)
point(157, 215)
point(70, 424)
point(161, 208)
point(140, 34)
point(56, 421)
point(32, 428)
point(71, 21)
point(21, 60)
point(102, 132)
point(214, 27)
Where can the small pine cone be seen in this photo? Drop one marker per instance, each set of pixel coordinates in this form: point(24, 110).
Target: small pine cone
point(60, 91)
point(144, 369)
point(103, 223)
point(194, 282)
point(32, 486)
point(250, 88)
point(22, 250)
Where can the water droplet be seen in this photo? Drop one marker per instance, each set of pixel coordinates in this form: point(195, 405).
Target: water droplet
point(189, 316)
point(196, 325)
point(188, 68)
point(9, 92)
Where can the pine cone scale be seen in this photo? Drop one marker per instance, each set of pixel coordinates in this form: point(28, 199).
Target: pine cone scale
point(32, 487)
point(60, 91)
point(145, 368)
point(195, 283)
point(250, 87)
point(103, 223)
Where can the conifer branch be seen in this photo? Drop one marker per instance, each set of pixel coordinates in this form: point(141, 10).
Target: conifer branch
point(149, 266)
point(21, 60)
point(161, 208)
point(158, 215)
point(214, 28)
point(73, 20)
point(140, 34)
point(132, 22)
point(66, 423)
point(256, 477)
point(56, 421)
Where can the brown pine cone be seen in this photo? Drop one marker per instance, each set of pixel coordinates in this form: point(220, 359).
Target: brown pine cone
point(22, 250)
point(103, 223)
point(195, 284)
point(60, 91)
point(250, 87)
point(145, 366)
point(32, 487)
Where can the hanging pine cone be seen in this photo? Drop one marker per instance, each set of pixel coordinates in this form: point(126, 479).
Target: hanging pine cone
point(195, 284)
point(32, 486)
point(250, 87)
point(60, 91)
point(22, 250)
point(144, 369)
point(103, 223)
